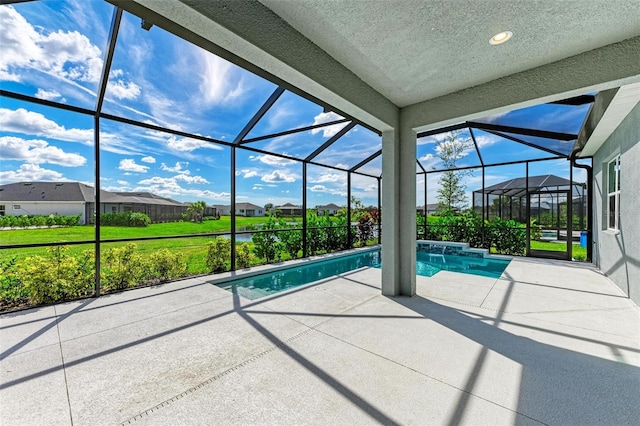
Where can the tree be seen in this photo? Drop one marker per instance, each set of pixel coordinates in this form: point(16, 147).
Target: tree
point(268, 207)
point(452, 195)
point(195, 209)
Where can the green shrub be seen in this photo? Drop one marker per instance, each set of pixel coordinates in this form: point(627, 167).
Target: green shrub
point(243, 256)
point(123, 267)
point(165, 265)
point(58, 276)
point(508, 237)
point(266, 244)
point(291, 241)
point(25, 221)
point(133, 219)
point(218, 254)
point(316, 237)
point(11, 287)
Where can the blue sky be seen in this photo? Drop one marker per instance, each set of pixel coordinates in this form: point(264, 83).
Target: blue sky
point(54, 50)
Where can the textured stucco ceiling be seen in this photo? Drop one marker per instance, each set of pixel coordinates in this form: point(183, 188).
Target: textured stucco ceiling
point(411, 51)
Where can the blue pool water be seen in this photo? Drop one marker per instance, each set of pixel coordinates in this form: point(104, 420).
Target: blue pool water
point(427, 264)
point(273, 282)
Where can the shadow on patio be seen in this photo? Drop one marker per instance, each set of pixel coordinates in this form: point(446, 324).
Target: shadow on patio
point(332, 352)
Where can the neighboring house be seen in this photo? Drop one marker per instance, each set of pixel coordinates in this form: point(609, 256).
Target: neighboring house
point(289, 209)
point(46, 198)
point(248, 209)
point(159, 209)
point(72, 198)
point(330, 209)
point(616, 197)
point(224, 210)
point(431, 209)
point(242, 209)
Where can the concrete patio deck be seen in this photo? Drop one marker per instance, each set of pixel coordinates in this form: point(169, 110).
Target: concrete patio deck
point(548, 343)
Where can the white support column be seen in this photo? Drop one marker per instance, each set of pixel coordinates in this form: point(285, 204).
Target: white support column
point(399, 213)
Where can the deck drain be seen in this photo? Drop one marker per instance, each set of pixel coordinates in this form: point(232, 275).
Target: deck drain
point(214, 378)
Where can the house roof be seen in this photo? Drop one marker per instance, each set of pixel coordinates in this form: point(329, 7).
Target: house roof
point(75, 191)
point(47, 191)
point(288, 206)
point(329, 206)
point(248, 206)
point(517, 187)
point(137, 198)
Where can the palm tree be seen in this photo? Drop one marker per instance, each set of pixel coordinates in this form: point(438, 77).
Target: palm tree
point(195, 210)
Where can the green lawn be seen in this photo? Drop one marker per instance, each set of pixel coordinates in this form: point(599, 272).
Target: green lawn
point(85, 233)
point(578, 252)
point(192, 249)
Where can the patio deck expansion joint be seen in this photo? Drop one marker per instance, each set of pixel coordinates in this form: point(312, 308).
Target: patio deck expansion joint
point(214, 378)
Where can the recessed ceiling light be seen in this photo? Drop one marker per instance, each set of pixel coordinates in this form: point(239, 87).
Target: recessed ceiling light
point(500, 38)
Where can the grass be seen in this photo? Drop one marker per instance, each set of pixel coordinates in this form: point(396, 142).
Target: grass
point(578, 252)
point(192, 249)
point(86, 233)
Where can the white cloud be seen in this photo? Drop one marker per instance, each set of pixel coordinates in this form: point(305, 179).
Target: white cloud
point(318, 188)
point(129, 165)
point(31, 172)
point(220, 81)
point(123, 182)
point(148, 159)
point(247, 173)
point(486, 140)
point(278, 177)
point(180, 167)
point(326, 117)
point(120, 89)
point(426, 157)
point(37, 152)
point(190, 179)
point(324, 189)
point(34, 123)
point(66, 55)
point(272, 160)
point(329, 177)
point(190, 144)
point(48, 95)
point(169, 187)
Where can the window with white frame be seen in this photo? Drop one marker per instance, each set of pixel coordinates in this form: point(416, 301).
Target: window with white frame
point(613, 192)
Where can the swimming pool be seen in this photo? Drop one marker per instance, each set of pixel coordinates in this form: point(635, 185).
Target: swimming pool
point(431, 258)
point(257, 286)
point(429, 264)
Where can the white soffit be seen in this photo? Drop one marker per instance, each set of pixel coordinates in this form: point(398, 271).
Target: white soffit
point(623, 102)
point(414, 50)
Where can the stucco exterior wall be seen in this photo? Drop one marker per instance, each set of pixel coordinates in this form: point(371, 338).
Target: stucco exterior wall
point(617, 254)
point(35, 208)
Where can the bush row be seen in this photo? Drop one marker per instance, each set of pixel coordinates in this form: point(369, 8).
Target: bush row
point(59, 276)
point(278, 238)
point(506, 236)
point(132, 219)
point(25, 221)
